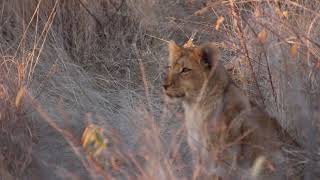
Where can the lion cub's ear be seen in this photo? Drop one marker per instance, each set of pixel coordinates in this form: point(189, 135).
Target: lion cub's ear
point(210, 54)
point(174, 50)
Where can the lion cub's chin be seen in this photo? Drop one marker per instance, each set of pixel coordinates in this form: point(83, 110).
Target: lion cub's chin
point(175, 94)
point(174, 98)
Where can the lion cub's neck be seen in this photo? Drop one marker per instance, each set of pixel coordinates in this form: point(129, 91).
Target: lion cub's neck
point(221, 103)
point(201, 110)
point(212, 100)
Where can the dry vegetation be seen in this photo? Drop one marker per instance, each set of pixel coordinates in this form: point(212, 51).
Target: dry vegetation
point(80, 92)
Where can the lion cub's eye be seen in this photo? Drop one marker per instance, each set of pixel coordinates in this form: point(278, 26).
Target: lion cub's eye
point(185, 70)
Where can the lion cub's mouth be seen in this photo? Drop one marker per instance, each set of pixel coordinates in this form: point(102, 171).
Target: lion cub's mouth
point(175, 95)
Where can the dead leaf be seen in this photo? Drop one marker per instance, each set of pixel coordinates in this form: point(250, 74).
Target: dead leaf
point(189, 43)
point(93, 141)
point(262, 36)
point(19, 96)
point(219, 22)
point(88, 136)
point(99, 149)
point(285, 14)
point(257, 12)
point(294, 50)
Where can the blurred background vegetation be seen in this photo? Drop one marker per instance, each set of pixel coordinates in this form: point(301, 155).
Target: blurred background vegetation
point(80, 86)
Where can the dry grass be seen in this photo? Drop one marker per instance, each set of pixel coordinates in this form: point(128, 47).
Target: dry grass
point(99, 64)
point(16, 130)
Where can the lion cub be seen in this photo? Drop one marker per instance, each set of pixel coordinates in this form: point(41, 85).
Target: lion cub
point(230, 137)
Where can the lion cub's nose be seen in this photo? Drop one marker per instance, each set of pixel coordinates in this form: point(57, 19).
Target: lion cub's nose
point(166, 85)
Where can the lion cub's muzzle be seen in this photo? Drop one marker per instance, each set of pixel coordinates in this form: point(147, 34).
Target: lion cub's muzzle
point(165, 86)
point(171, 92)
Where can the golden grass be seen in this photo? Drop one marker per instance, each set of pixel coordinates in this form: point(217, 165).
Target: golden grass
point(84, 54)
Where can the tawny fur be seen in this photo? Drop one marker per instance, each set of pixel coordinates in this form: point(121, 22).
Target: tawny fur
point(227, 133)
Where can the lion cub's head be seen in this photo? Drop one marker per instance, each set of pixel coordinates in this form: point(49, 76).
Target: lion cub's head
point(188, 69)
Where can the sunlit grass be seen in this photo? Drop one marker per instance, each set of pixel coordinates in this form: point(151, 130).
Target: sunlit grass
point(62, 61)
